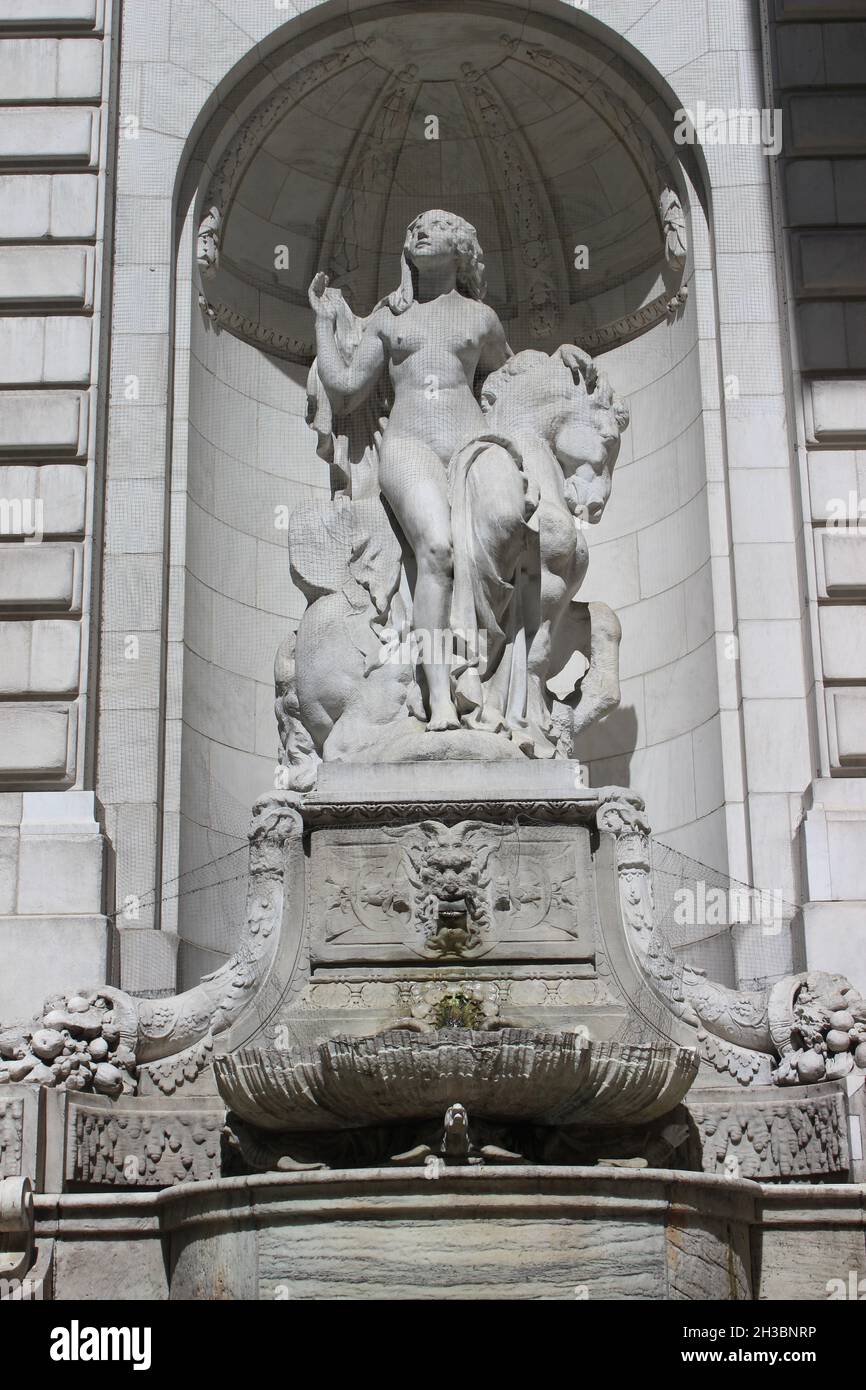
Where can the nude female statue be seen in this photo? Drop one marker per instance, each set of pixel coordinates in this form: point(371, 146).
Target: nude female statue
point(436, 339)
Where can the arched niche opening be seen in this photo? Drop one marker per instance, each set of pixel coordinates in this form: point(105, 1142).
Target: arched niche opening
point(558, 150)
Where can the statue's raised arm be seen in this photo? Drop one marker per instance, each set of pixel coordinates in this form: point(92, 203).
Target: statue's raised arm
point(347, 389)
point(350, 355)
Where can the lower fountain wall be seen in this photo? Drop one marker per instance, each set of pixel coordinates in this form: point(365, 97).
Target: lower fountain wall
point(526, 1233)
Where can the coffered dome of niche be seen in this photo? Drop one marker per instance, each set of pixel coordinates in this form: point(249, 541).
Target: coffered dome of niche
point(540, 150)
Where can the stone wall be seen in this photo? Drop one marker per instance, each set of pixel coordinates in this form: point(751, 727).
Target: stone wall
point(817, 55)
point(650, 559)
point(55, 148)
point(720, 489)
point(707, 548)
point(251, 461)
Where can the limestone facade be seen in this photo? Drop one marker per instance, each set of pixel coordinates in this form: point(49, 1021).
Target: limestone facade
point(156, 455)
point(56, 149)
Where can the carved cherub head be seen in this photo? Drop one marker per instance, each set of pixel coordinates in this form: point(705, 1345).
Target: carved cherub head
point(570, 404)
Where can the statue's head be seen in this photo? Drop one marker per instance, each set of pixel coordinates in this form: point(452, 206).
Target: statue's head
point(566, 400)
point(433, 237)
point(456, 1119)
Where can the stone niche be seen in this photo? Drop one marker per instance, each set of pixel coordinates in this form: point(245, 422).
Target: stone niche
point(561, 156)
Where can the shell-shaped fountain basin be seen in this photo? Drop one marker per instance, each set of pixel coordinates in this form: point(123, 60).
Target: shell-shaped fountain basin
point(512, 1075)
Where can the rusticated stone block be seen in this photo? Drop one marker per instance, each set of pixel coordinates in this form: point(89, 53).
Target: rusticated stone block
point(39, 658)
point(843, 641)
point(838, 411)
point(47, 205)
point(37, 743)
point(44, 422)
point(843, 553)
point(44, 135)
point(54, 14)
point(39, 576)
point(50, 69)
point(47, 501)
point(830, 263)
point(846, 721)
point(826, 123)
point(31, 275)
point(45, 350)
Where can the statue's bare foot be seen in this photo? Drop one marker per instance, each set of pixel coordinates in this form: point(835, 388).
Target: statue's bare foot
point(443, 715)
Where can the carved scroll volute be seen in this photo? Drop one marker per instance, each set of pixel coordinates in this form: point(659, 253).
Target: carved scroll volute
point(626, 821)
point(16, 1227)
point(276, 818)
point(636, 881)
point(171, 1026)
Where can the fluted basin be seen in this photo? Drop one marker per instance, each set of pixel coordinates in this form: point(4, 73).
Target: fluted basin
point(510, 1075)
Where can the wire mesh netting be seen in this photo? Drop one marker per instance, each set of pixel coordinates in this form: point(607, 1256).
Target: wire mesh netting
point(739, 935)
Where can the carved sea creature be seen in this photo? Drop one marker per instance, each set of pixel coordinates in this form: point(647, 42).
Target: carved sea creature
point(453, 1145)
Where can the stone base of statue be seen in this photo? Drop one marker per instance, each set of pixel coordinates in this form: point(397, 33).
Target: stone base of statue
point(454, 1055)
point(461, 945)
